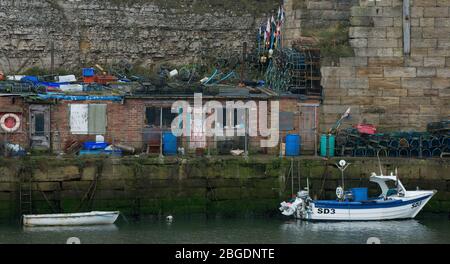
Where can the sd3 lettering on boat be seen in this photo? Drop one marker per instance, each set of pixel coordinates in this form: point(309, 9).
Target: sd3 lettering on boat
point(325, 211)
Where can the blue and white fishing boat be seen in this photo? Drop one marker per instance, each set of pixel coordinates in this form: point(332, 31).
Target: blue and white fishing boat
point(354, 205)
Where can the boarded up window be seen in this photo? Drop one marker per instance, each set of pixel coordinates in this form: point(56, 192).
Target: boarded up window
point(79, 119)
point(87, 119)
point(97, 119)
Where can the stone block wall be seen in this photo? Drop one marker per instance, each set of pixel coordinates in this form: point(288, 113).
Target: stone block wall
point(382, 85)
point(312, 14)
point(228, 186)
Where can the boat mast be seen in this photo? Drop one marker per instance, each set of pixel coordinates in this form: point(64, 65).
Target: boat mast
point(342, 166)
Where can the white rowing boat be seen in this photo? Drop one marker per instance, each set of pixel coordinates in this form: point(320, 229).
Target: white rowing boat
point(77, 219)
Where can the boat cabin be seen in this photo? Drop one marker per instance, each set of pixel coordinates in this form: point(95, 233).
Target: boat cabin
point(385, 190)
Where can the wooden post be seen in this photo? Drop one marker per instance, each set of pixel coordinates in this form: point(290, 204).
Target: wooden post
point(244, 57)
point(161, 131)
point(406, 28)
point(52, 58)
point(246, 122)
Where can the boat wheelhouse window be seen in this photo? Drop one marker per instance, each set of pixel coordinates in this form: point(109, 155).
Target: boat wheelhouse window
point(153, 117)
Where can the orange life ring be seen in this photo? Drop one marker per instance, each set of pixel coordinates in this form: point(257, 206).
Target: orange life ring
point(10, 123)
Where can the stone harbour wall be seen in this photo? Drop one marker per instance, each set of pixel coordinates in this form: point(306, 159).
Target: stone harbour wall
point(140, 32)
point(216, 186)
point(382, 85)
point(310, 15)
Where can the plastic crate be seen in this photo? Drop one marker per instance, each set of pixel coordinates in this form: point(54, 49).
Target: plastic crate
point(88, 79)
point(88, 72)
point(105, 79)
point(366, 129)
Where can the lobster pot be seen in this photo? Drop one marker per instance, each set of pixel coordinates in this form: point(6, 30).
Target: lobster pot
point(293, 145)
point(169, 144)
point(360, 194)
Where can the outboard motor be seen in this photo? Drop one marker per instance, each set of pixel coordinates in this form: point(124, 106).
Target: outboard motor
point(289, 209)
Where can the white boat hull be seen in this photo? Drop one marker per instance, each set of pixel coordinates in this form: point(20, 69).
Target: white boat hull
point(77, 219)
point(402, 208)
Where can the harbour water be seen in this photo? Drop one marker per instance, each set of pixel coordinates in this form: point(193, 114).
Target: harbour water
point(426, 228)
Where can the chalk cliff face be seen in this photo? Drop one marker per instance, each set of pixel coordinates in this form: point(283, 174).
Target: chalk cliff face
point(138, 31)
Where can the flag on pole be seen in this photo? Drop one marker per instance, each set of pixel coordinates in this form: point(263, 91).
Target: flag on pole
point(347, 113)
point(282, 15)
point(267, 39)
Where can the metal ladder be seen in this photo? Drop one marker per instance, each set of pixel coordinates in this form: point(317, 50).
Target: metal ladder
point(25, 194)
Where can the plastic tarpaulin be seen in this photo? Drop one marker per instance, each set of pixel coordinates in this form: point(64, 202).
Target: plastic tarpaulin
point(80, 97)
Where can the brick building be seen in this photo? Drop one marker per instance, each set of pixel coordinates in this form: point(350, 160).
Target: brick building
point(54, 123)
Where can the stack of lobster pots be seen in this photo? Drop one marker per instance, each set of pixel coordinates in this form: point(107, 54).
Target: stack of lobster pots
point(433, 143)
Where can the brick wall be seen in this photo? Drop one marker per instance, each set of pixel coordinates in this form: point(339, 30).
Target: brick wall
point(17, 106)
point(381, 85)
point(125, 121)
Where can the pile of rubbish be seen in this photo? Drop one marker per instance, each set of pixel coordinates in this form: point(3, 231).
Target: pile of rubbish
point(89, 82)
point(359, 142)
point(97, 147)
point(12, 150)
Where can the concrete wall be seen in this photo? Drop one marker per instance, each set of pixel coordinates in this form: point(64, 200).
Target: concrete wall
point(224, 186)
point(140, 32)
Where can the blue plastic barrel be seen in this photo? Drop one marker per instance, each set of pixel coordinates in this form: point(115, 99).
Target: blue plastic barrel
point(323, 145)
point(360, 194)
point(169, 144)
point(88, 72)
point(292, 145)
point(331, 144)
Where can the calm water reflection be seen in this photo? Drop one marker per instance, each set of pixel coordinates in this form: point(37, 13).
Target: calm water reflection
point(425, 229)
